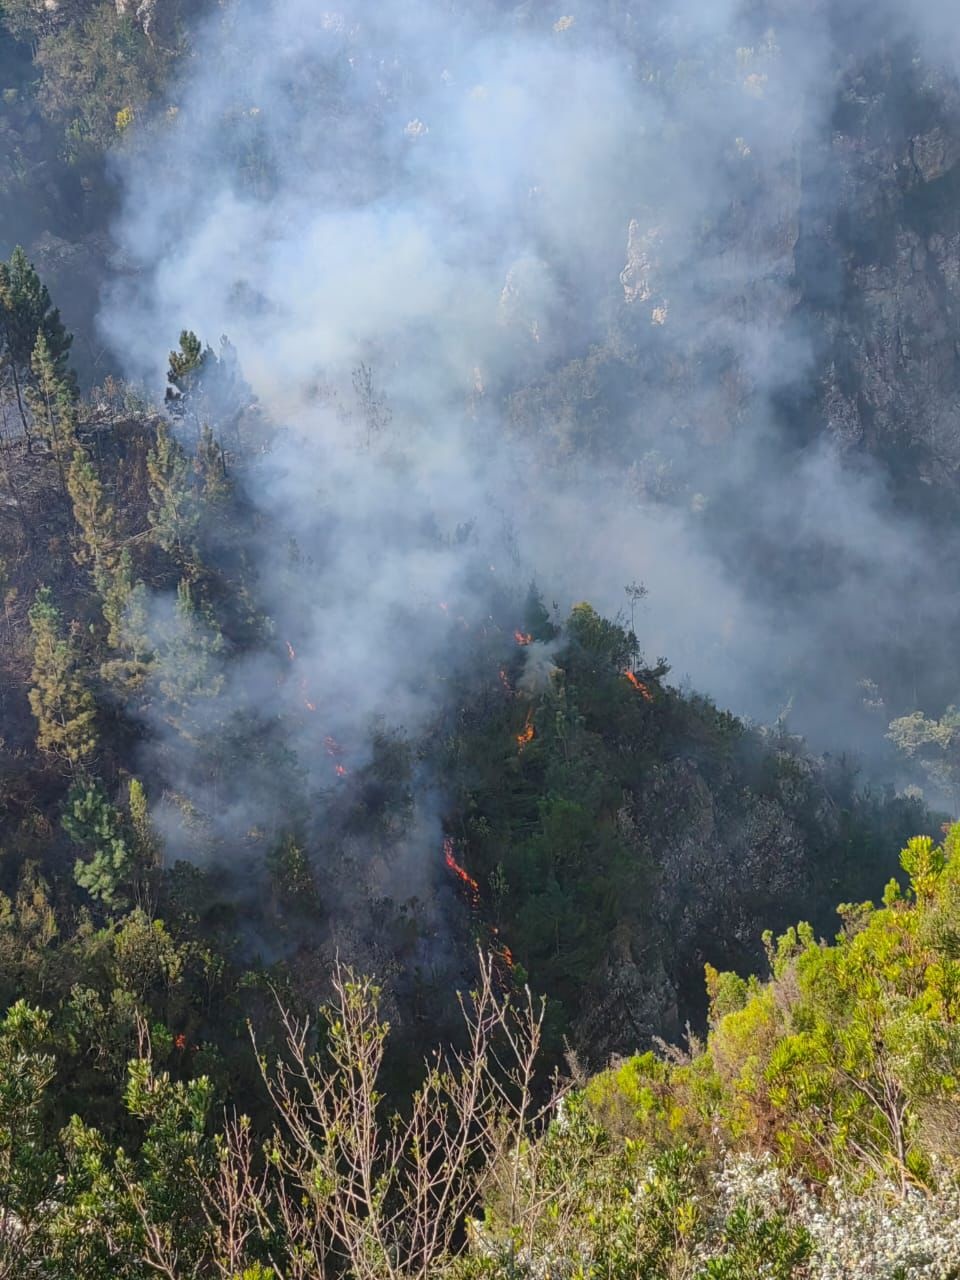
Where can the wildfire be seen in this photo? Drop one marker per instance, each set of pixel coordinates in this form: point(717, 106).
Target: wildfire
point(497, 946)
point(523, 637)
point(291, 651)
point(640, 687)
point(504, 681)
point(527, 732)
point(311, 706)
point(461, 872)
point(335, 751)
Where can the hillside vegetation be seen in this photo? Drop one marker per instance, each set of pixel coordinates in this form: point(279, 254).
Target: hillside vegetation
point(813, 1134)
point(376, 901)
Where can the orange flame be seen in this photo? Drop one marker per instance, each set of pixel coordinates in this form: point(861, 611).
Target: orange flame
point(523, 637)
point(461, 872)
point(527, 733)
point(498, 947)
point(640, 687)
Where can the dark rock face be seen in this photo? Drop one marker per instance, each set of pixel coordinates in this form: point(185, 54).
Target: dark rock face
point(889, 375)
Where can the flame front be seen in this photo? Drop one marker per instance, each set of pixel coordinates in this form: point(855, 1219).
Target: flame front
point(461, 872)
point(640, 687)
point(527, 733)
point(498, 947)
point(523, 637)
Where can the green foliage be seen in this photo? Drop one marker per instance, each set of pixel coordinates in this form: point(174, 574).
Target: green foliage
point(61, 702)
point(98, 828)
point(935, 743)
point(95, 518)
point(27, 314)
point(34, 348)
point(94, 69)
point(174, 513)
point(28, 1161)
point(207, 393)
point(752, 1243)
point(52, 403)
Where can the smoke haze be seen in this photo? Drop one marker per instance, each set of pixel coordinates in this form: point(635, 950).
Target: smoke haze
point(471, 202)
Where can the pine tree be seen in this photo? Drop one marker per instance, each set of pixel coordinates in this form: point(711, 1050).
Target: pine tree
point(206, 389)
point(185, 366)
point(97, 826)
point(111, 570)
point(174, 513)
point(26, 312)
point(189, 649)
point(60, 700)
point(185, 379)
point(211, 468)
point(146, 846)
point(94, 517)
point(52, 403)
point(123, 608)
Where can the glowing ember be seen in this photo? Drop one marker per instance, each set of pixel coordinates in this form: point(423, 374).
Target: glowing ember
point(311, 706)
point(527, 732)
point(523, 637)
point(340, 771)
point(291, 651)
point(504, 681)
point(640, 687)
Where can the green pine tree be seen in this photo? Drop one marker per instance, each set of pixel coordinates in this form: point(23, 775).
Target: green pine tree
point(60, 700)
point(27, 312)
point(97, 826)
point(52, 403)
point(95, 519)
point(174, 511)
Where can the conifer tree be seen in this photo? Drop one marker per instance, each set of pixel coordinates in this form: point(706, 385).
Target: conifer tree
point(123, 607)
point(207, 389)
point(174, 514)
point(94, 517)
point(189, 649)
point(185, 365)
point(211, 468)
point(51, 401)
point(25, 313)
point(60, 700)
point(111, 570)
point(97, 826)
point(146, 846)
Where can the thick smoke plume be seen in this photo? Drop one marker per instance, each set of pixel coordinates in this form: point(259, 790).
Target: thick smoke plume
point(461, 202)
